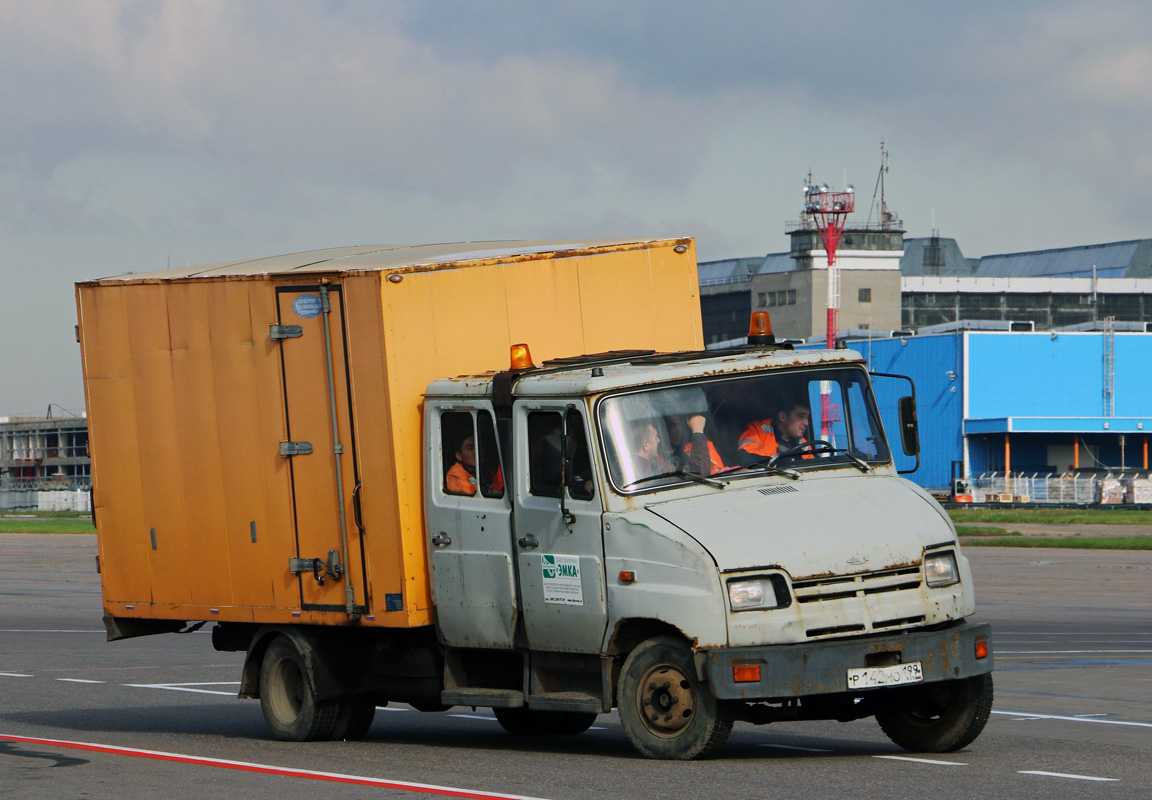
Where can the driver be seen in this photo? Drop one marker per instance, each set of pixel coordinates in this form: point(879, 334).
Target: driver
point(765, 437)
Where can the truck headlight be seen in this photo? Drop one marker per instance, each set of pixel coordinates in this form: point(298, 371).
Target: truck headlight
point(940, 570)
point(768, 591)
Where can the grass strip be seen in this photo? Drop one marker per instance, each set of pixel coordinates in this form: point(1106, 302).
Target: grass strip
point(1067, 542)
point(1053, 516)
point(47, 526)
point(977, 530)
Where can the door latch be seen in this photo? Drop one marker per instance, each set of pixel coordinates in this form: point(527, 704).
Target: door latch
point(441, 539)
point(321, 570)
point(295, 448)
point(528, 542)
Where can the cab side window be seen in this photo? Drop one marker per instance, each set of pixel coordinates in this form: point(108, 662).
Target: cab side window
point(545, 459)
point(458, 448)
point(470, 457)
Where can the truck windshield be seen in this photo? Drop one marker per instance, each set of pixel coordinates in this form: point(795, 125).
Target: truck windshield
point(734, 426)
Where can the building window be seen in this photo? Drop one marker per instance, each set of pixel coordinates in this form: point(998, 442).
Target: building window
point(791, 297)
point(762, 299)
point(865, 295)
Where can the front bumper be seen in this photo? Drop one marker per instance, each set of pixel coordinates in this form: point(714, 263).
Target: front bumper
point(797, 670)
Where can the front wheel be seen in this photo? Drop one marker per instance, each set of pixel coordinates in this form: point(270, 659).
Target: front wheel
point(939, 717)
point(287, 698)
point(665, 709)
point(527, 722)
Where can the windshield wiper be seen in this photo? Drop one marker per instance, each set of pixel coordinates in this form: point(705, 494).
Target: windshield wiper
point(767, 465)
point(679, 473)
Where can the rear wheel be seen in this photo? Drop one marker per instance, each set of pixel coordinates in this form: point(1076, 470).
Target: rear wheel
point(354, 717)
point(528, 722)
point(665, 709)
point(939, 717)
point(287, 698)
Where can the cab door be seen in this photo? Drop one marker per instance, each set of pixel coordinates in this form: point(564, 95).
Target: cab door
point(320, 447)
point(469, 528)
point(560, 553)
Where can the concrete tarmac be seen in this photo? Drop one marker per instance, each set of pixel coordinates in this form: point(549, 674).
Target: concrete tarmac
point(1073, 713)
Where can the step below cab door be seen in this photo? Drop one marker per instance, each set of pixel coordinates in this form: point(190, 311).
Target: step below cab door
point(468, 525)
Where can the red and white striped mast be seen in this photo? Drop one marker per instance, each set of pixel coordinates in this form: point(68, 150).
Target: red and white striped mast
point(827, 211)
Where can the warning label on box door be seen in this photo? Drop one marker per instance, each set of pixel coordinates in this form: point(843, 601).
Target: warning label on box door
point(562, 580)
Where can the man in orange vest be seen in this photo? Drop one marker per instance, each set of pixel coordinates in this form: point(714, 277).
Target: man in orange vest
point(765, 437)
point(694, 450)
point(461, 478)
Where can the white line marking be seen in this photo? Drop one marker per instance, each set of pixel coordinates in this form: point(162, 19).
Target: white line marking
point(794, 747)
point(924, 761)
point(14, 675)
point(1074, 719)
point(1061, 652)
point(1064, 775)
point(77, 680)
point(1000, 635)
point(473, 716)
point(214, 682)
point(391, 708)
point(177, 688)
point(46, 630)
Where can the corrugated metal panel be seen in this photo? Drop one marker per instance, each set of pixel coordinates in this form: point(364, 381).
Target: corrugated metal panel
point(1034, 375)
point(1111, 261)
point(777, 262)
point(928, 361)
point(1133, 377)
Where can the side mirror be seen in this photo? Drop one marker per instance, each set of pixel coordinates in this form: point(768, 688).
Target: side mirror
point(909, 430)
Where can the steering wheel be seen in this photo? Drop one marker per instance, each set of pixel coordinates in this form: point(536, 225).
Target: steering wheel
point(815, 445)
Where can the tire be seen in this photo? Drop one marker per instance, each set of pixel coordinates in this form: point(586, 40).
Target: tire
point(527, 722)
point(665, 709)
point(287, 698)
point(354, 718)
point(940, 717)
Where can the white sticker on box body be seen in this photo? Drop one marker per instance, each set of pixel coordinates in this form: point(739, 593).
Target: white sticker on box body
point(562, 579)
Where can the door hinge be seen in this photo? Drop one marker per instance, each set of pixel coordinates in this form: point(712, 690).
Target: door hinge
point(285, 331)
point(295, 448)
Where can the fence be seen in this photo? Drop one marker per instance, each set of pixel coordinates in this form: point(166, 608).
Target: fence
point(1104, 489)
point(45, 494)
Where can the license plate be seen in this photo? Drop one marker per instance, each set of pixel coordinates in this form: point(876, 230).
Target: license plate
point(867, 677)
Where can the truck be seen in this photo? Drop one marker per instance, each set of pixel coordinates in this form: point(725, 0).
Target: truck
point(350, 462)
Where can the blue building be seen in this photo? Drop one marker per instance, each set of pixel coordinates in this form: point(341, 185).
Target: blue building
point(1045, 403)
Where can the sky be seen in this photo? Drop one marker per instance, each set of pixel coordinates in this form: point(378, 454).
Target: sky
point(140, 134)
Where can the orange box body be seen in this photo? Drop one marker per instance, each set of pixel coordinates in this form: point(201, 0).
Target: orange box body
point(192, 397)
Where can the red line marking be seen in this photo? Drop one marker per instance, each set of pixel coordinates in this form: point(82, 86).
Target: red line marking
point(247, 766)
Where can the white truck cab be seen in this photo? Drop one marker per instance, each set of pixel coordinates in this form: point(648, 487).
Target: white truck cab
point(653, 532)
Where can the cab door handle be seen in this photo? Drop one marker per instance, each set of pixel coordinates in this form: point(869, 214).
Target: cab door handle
point(528, 542)
point(441, 539)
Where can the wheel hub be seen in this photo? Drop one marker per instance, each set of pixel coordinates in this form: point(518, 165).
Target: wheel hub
point(667, 700)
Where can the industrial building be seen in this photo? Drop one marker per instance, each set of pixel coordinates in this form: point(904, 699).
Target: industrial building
point(1035, 405)
point(892, 283)
point(42, 456)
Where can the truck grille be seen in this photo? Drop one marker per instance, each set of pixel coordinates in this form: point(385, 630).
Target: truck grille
point(858, 587)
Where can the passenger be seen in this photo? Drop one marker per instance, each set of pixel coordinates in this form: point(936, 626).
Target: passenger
point(766, 437)
point(646, 450)
point(692, 449)
point(461, 478)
